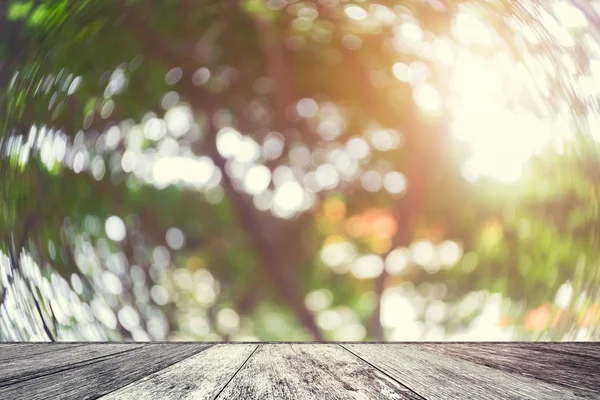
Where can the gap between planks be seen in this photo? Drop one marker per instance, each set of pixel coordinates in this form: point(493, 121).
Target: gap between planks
point(382, 371)
point(102, 376)
point(329, 374)
point(199, 376)
point(10, 380)
point(441, 377)
point(236, 372)
point(311, 371)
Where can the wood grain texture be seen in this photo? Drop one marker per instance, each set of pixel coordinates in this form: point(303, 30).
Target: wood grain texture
point(55, 359)
point(585, 349)
point(578, 349)
point(103, 376)
point(310, 371)
point(199, 377)
point(574, 366)
point(300, 371)
point(12, 350)
point(436, 376)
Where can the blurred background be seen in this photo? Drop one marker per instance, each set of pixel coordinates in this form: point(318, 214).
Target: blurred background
point(285, 170)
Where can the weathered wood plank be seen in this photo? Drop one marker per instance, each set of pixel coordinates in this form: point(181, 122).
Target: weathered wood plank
point(310, 371)
point(98, 378)
point(199, 377)
point(555, 363)
point(300, 371)
point(63, 357)
point(8, 351)
point(585, 349)
point(580, 349)
point(437, 376)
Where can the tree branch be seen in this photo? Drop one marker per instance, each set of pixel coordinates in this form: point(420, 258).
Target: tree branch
point(272, 260)
point(278, 71)
point(39, 310)
point(420, 150)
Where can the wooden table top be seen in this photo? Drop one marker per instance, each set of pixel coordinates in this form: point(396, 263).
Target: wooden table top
point(325, 371)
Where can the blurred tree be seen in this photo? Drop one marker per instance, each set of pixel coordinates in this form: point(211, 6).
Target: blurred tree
point(278, 169)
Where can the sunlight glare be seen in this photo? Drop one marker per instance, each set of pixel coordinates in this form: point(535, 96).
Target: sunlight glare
point(367, 267)
point(469, 29)
point(257, 179)
point(500, 140)
point(288, 198)
point(569, 16)
point(355, 12)
point(228, 142)
point(411, 32)
point(428, 98)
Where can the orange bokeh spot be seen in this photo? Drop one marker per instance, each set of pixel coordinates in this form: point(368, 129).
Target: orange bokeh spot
point(373, 221)
point(492, 231)
point(334, 239)
point(537, 318)
point(334, 209)
point(434, 233)
point(590, 317)
point(381, 244)
point(504, 322)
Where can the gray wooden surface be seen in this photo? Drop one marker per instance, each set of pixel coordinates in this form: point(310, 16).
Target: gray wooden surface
point(307, 371)
point(201, 376)
point(398, 371)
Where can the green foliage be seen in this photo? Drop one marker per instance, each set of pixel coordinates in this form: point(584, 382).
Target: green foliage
point(19, 10)
point(103, 76)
